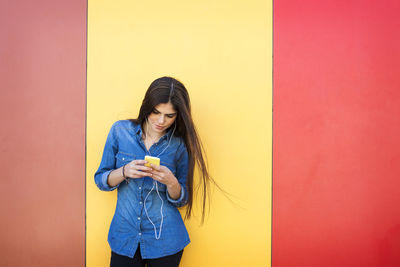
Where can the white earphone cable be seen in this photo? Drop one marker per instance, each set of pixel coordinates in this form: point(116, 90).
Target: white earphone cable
point(158, 193)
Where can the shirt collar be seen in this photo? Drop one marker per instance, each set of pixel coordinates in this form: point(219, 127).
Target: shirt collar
point(138, 129)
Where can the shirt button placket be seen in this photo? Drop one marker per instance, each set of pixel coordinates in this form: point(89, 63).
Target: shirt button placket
point(139, 218)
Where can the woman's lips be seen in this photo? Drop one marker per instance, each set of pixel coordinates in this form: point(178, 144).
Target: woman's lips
point(159, 127)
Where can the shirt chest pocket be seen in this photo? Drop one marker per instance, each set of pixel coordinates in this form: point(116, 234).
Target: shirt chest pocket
point(123, 158)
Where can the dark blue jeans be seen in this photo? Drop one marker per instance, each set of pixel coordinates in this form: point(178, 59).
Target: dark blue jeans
point(137, 261)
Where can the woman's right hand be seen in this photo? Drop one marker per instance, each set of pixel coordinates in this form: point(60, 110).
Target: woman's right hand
point(133, 169)
point(136, 169)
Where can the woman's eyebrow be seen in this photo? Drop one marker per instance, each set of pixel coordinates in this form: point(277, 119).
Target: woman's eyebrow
point(165, 114)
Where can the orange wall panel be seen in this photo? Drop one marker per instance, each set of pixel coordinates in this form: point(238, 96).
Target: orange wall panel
point(336, 186)
point(42, 114)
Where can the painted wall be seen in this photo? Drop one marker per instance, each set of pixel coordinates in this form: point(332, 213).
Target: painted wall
point(42, 114)
point(336, 133)
point(222, 52)
point(336, 125)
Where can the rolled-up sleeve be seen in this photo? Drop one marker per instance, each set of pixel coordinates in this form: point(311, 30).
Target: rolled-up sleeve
point(181, 174)
point(107, 163)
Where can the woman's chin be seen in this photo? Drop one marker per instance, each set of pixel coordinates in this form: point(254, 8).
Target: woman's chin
point(158, 129)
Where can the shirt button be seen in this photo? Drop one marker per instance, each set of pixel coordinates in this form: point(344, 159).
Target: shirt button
point(138, 218)
point(123, 158)
point(140, 187)
point(140, 202)
point(140, 233)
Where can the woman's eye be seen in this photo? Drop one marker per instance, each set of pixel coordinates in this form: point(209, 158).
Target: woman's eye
point(170, 116)
point(156, 112)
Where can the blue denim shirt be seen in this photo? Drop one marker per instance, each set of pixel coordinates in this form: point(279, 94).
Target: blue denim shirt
point(130, 224)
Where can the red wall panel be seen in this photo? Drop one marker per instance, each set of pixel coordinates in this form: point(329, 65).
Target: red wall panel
point(42, 114)
point(336, 152)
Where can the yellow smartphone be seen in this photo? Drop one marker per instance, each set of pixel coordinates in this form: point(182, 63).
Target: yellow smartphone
point(151, 160)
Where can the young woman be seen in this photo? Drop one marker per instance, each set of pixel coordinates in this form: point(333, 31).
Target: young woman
point(147, 228)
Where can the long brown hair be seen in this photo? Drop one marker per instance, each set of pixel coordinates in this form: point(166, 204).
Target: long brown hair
point(168, 89)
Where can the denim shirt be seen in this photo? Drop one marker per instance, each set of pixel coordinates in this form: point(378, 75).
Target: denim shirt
point(131, 225)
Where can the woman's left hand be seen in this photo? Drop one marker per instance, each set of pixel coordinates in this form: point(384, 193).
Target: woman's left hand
point(163, 175)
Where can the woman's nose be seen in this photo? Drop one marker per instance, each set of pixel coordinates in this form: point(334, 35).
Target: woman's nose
point(161, 119)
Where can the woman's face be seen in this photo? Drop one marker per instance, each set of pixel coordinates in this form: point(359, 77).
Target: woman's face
point(162, 117)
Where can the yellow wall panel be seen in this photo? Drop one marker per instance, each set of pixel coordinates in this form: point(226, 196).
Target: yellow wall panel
point(222, 52)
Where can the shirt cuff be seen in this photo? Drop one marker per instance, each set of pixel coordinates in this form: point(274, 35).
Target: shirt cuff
point(104, 183)
point(177, 202)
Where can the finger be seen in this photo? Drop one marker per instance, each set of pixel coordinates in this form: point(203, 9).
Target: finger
point(134, 172)
point(139, 161)
point(142, 168)
point(157, 177)
point(164, 168)
point(155, 172)
point(160, 174)
point(142, 174)
point(155, 167)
